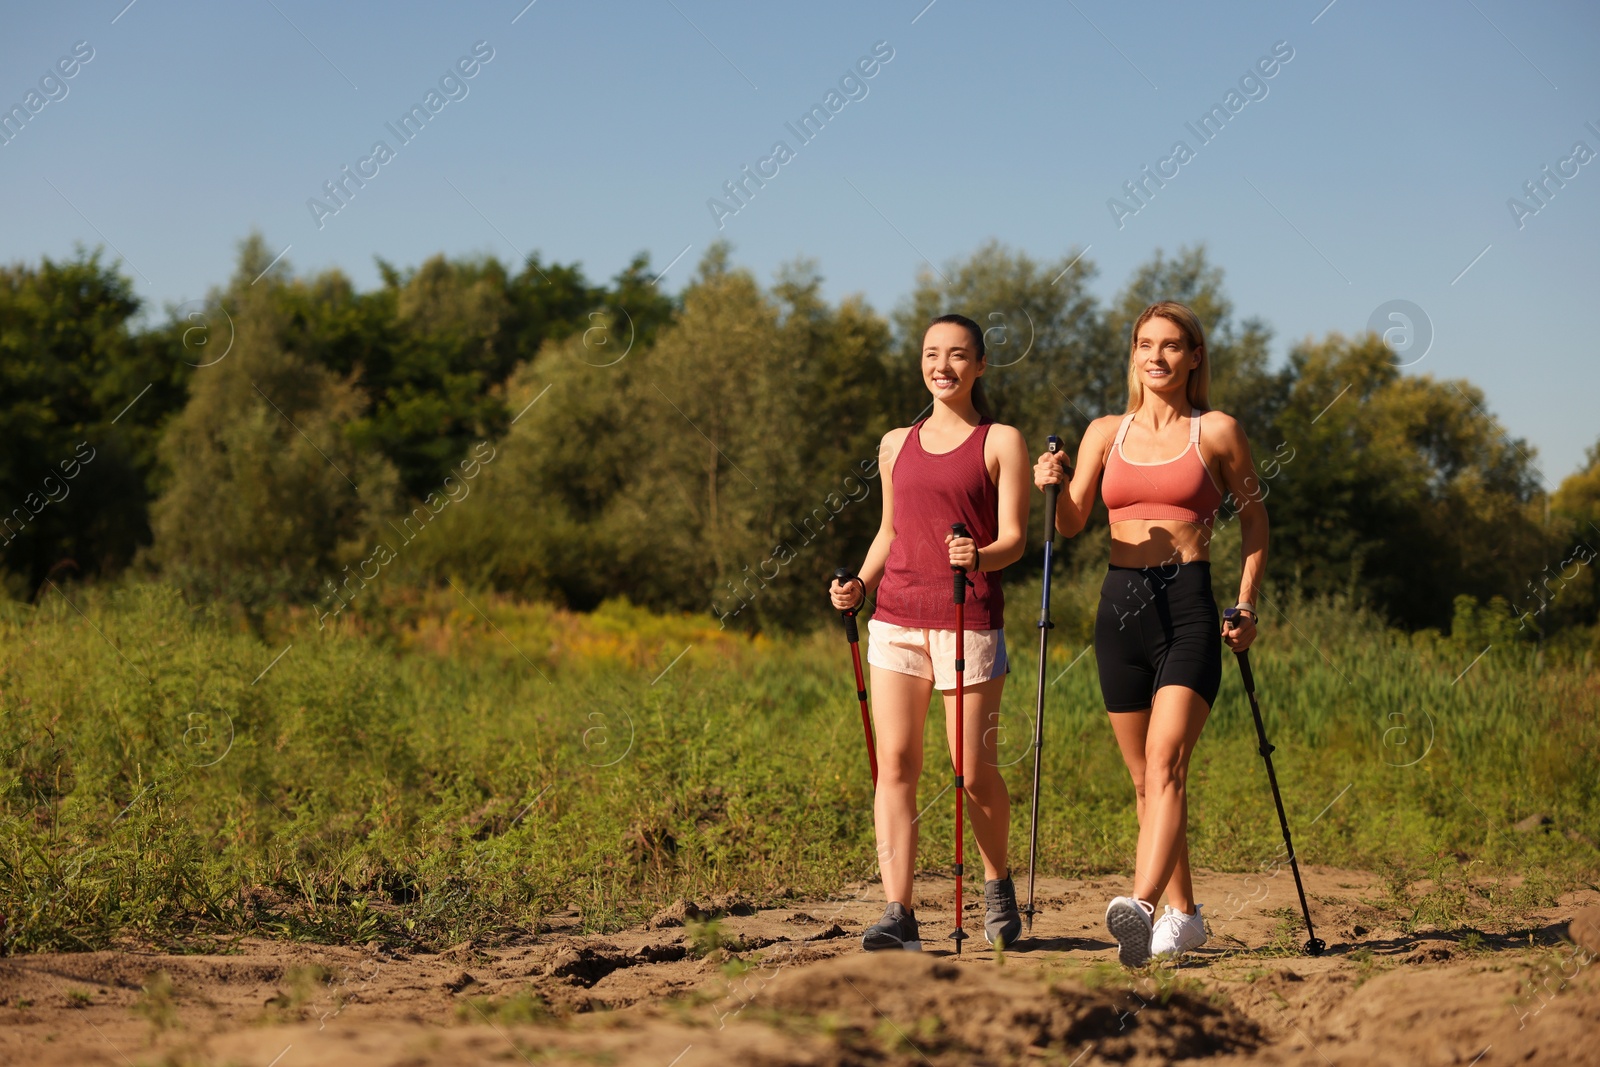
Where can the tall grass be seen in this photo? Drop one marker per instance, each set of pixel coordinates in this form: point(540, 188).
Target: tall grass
point(439, 768)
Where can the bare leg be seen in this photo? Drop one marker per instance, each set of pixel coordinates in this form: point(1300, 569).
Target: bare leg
point(989, 804)
point(899, 713)
point(1176, 720)
point(1172, 728)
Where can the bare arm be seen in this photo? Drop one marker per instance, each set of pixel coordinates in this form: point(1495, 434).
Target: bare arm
point(1240, 480)
point(1074, 505)
point(1006, 454)
point(848, 596)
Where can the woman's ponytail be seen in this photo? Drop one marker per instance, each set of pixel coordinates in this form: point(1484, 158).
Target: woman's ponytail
point(980, 401)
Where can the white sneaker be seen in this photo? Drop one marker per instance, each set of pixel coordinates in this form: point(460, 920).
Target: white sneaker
point(1129, 920)
point(1176, 933)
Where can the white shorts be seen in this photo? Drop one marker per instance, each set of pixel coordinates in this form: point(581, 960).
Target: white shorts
point(932, 653)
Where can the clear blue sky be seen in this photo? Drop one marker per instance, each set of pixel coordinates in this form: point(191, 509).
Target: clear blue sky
point(1377, 167)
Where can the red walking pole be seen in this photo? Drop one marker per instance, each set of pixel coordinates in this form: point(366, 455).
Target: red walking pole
point(853, 634)
point(960, 530)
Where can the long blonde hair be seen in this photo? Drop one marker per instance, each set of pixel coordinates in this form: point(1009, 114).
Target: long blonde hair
point(1194, 335)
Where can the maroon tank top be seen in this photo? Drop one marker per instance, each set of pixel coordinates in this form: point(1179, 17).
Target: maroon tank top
point(932, 492)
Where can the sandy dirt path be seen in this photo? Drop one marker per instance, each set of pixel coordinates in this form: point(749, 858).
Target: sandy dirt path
point(791, 986)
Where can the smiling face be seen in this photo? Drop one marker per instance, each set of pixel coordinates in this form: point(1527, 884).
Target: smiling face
point(950, 363)
point(1162, 358)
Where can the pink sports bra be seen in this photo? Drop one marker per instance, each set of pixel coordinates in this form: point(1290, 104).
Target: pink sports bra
point(1180, 488)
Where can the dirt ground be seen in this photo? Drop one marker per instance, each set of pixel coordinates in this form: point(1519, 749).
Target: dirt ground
point(790, 985)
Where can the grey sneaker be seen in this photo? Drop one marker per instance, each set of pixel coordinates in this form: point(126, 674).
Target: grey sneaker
point(1002, 923)
point(897, 929)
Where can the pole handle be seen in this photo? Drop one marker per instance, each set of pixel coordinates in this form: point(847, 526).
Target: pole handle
point(959, 529)
point(1230, 619)
point(848, 616)
point(1052, 493)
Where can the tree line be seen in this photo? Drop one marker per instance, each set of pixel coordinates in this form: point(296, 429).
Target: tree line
point(293, 439)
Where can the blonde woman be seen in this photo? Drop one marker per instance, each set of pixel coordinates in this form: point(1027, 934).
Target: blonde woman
point(1163, 469)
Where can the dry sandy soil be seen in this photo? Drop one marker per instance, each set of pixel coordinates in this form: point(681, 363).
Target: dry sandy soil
point(649, 996)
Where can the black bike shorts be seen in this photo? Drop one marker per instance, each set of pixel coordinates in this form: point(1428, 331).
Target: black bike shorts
point(1157, 626)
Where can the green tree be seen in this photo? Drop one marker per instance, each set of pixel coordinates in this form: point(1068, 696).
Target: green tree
point(710, 476)
point(1395, 489)
point(1568, 584)
point(727, 468)
point(431, 349)
point(537, 523)
point(1577, 499)
point(266, 495)
point(638, 306)
point(82, 401)
point(419, 376)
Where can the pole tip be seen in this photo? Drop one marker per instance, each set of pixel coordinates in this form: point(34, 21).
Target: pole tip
point(1316, 947)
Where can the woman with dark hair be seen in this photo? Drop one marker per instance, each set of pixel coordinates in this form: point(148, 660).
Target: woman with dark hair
point(955, 466)
point(1163, 469)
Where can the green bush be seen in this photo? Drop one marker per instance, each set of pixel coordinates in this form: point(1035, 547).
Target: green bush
point(164, 777)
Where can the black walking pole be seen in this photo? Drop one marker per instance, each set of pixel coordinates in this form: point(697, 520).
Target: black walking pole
point(1314, 945)
point(853, 634)
point(960, 593)
point(1051, 494)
